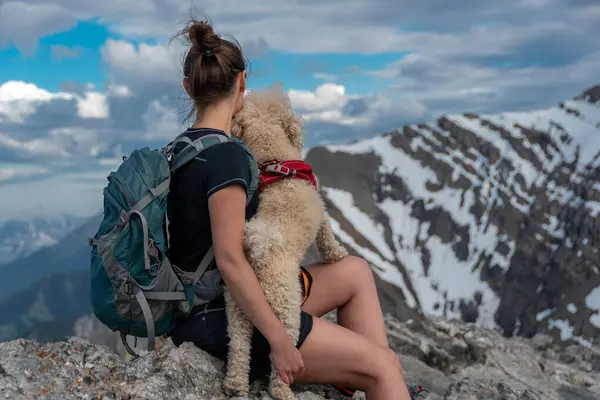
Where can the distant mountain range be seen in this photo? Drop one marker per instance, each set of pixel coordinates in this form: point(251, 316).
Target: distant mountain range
point(48, 309)
point(20, 238)
point(492, 219)
point(71, 253)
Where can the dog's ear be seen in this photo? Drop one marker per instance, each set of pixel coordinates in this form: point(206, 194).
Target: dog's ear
point(292, 126)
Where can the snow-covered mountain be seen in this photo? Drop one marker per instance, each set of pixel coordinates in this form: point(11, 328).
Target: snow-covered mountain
point(490, 218)
point(20, 238)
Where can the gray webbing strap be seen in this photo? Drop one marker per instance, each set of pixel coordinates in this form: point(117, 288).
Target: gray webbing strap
point(148, 319)
point(154, 193)
point(146, 237)
point(208, 257)
point(194, 148)
point(167, 296)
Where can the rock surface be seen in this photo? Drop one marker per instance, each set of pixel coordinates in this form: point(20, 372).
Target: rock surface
point(451, 359)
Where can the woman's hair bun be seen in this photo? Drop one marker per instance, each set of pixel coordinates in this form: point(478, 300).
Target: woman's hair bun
point(202, 35)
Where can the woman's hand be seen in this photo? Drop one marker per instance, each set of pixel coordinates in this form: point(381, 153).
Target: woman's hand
point(287, 360)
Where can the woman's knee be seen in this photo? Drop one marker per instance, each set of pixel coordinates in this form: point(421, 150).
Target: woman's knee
point(359, 269)
point(389, 367)
point(385, 370)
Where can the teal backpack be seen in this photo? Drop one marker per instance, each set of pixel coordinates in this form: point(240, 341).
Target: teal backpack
point(135, 289)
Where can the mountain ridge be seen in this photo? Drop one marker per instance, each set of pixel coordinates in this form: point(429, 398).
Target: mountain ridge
point(482, 218)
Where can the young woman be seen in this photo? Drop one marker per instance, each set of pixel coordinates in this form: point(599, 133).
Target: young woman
point(207, 206)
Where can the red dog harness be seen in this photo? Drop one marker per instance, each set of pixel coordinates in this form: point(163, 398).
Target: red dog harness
point(274, 171)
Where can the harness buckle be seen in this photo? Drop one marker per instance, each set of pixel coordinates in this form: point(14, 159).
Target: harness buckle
point(281, 169)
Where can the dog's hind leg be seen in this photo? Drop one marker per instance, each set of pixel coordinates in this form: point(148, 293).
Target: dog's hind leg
point(328, 246)
point(283, 293)
point(240, 329)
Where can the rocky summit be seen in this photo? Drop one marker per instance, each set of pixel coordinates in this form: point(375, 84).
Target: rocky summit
point(452, 360)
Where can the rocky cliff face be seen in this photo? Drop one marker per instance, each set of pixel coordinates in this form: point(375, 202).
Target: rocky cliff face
point(492, 219)
point(453, 360)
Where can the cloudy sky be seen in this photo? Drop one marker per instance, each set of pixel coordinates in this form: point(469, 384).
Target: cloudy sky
point(82, 82)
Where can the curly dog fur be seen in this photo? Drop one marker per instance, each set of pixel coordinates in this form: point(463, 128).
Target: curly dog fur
point(291, 216)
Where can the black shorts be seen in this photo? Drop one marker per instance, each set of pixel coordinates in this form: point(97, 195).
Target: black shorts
point(207, 329)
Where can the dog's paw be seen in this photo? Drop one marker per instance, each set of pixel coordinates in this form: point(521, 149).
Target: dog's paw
point(235, 388)
point(334, 254)
point(282, 392)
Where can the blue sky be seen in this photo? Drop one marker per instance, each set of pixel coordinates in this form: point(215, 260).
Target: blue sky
point(82, 82)
point(51, 65)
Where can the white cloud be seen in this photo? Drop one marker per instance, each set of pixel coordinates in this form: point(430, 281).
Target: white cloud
point(77, 193)
point(460, 86)
point(145, 62)
point(32, 148)
point(60, 146)
point(20, 99)
point(93, 105)
point(331, 104)
point(8, 171)
point(119, 90)
point(325, 97)
point(163, 121)
point(325, 77)
point(23, 23)
point(79, 131)
point(368, 26)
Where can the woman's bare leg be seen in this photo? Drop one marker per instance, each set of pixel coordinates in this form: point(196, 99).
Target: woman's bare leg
point(349, 286)
point(334, 354)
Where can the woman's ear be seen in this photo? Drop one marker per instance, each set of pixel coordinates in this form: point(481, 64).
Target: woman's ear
point(241, 91)
point(186, 86)
point(242, 82)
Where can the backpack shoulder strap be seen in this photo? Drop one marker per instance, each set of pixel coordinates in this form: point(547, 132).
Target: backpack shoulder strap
point(254, 172)
point(192, 148)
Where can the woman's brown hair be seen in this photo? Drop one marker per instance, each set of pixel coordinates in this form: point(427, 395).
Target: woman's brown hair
point(211, 64)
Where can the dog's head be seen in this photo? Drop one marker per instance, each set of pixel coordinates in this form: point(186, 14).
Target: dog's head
point(268, 125)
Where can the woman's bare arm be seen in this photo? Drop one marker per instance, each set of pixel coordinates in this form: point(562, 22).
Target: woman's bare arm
point(227, 219)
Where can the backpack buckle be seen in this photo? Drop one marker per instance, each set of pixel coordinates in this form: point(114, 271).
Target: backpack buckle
point(128, 288)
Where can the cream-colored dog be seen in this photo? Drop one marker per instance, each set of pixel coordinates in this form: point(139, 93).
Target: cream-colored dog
point(290, 217)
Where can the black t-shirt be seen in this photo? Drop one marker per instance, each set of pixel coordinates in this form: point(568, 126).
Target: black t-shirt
point(215, 168)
